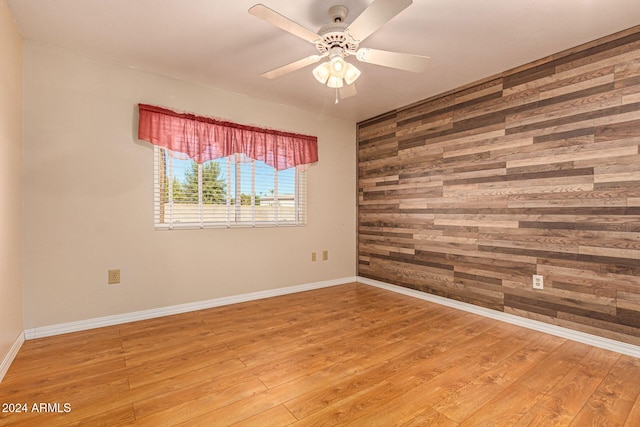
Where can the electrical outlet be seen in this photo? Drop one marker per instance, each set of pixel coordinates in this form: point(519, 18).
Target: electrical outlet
point(114, 276)
point(538, 281)
point(313, 256)
point(325, 255)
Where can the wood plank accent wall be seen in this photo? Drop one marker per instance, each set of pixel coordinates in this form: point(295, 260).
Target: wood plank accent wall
point(534, 171)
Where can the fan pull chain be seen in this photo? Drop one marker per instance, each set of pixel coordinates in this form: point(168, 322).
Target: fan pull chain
point(336, 96)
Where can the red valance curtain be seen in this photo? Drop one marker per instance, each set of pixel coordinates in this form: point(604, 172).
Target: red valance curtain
point(203, 138)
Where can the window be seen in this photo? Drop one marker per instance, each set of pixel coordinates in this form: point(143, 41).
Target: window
point(213, 173)
point(229, 191)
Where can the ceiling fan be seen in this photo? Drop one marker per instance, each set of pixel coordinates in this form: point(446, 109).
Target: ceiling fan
point(337, 41)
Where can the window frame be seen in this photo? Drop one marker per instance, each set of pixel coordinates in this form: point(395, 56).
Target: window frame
point(233, 210)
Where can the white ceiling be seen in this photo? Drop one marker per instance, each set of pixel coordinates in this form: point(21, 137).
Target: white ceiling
point(217, 43)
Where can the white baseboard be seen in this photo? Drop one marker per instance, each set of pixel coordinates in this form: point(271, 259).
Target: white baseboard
point(594, 340)
point(8, 359)
point(117, 319)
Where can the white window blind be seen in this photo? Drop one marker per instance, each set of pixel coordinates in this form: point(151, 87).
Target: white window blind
point(233, 191)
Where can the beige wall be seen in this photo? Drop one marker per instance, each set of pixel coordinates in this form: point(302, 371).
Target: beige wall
point(10, 180)
point(88, 197)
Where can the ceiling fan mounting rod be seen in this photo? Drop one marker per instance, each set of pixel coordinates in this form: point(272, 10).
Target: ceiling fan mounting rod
point(338, 13)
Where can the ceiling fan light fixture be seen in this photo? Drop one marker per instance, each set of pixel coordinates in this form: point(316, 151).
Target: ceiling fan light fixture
point(322, 72)
point(338, 66)
point(335, 82)
point(336, 72)
point(351, 74)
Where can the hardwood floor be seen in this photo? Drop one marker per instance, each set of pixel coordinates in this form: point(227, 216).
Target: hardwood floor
point(344, 355)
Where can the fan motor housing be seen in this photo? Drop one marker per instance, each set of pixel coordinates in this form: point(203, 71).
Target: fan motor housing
point(333, 35)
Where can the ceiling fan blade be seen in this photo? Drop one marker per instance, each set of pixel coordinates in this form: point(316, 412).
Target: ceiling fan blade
point(401, 61)
point(282, 22)
point(375, 16)
point(301, 63)
point(348, 91)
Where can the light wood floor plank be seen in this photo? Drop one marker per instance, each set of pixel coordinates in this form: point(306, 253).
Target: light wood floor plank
point(561, 405)
point(464, 402)
point(612, 402)
point(343, 355)
point(505, 409)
